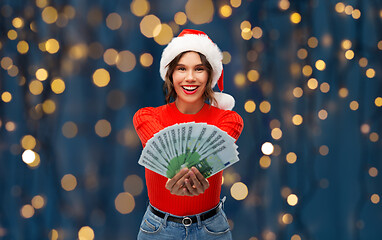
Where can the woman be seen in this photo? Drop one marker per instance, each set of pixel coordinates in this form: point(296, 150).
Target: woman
point(187, 206)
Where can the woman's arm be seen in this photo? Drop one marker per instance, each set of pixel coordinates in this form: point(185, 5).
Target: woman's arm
point(146, 123)
point(232, 123)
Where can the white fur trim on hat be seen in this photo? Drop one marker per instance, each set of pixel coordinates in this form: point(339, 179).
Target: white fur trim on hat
point(193, 42)
point(224, 101)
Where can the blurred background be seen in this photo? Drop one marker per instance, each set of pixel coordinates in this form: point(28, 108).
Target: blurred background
point(306, 81)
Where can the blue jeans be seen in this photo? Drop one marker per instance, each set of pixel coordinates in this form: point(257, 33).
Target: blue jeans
point(154, 227)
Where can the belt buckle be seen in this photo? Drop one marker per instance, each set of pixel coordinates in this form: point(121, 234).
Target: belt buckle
point(186, 221)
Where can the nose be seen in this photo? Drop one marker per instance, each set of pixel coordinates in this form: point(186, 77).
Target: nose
point(190, 76)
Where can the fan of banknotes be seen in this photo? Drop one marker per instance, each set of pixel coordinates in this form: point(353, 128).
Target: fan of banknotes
point(201, 145)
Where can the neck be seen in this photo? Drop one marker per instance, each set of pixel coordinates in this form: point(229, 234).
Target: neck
point(189, 108)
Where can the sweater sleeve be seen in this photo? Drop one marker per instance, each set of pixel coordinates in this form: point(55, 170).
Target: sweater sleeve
point(146, 123)
point(232, 123)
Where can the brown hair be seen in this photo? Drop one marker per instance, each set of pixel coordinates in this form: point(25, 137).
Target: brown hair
point(168, 86)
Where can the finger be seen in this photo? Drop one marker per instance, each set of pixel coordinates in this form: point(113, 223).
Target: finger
point(171, 182)
point(196, 183)
point(203, 181)
point(190, 188)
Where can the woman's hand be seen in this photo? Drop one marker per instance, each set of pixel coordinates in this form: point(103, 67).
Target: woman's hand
point(187, 183)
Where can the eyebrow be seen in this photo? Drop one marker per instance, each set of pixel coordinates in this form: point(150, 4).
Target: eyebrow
point(197, 65)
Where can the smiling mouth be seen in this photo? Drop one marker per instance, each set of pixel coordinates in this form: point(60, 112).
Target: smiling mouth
point(190, 88)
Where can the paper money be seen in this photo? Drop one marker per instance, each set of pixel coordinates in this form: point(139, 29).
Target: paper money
point(191, 144)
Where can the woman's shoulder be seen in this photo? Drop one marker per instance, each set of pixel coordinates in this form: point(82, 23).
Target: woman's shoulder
point(148, 112)
point(225, 114)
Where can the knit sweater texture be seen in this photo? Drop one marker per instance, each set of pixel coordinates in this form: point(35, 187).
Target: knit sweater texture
point(148, 121)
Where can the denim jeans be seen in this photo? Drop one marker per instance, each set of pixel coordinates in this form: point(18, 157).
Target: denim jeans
point(154, 227)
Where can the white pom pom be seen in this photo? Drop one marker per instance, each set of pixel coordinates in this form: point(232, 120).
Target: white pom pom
point(224, 101)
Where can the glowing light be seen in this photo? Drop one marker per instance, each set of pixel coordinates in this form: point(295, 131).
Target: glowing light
point(28, 156)
point(322, 114)
point(253, 75)
point(114, 21)
point(246, 34)
point(356, 14)
point(22, 47)
point(58, 86)
point(86, 233)
point(133, 184)
point(365, 128)
point(200, 11)
point(320, 65)
point(349, 54)
point(69, 11)
point(225, 11)
point(41, 3)
point(324, 150)
point(103, 128)
point(312, 83)
point(180, 18)
point(346, 44)
point(265, 162)
point(27, 211)
point(36, 87)
point(265, 107)
point(6, 97)
point(18, 22)
point(148, 24)
point(370, 73)
point(52, 46)
point(302, 53)
point(245, 24)
point(349, 9)
point(101, 77)
point(6, 63)
point(53, 235)
point(12, 34)
point(78, 51)
point(373, 172)
point(126, 61)
point(239, 191)
point(41, 74)
point(235, 3)
point(378, 101)
point(354, 105)
point(292, 199)
point(340, 7)
point(49, 15)
point(295, 237)
point(307, 70)
point(250, 106)
point(287, 218)
point(124, 203)
point(374, 137)
point(343, 92)
point(146, 59)
point(140, 7)
point(312, 42)
point(324, 87)
point(363, 62)
point(276, 133)
point(239, 80)
point(110, 56)
point(380, 42)
point(257, 32)
point(375, 198)
point(295, 18)
point(267, 148)
point(38, 202)
point(297, 92)
point(68, 182)
point(69, 129)
point(10, 126)
point(49, 106)
point(28, 142)
point(291, 157)
point(165, 34)
point(284, 4)
point(297, 119)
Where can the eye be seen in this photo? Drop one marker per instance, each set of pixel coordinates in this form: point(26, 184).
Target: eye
point(181, 68)
point(199, 69)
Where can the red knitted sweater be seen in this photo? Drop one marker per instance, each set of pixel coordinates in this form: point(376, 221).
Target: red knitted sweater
point(148, 121)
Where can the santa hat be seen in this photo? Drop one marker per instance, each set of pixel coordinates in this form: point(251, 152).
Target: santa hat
point(198, 41)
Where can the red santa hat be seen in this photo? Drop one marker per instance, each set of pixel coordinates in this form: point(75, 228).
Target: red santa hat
point(198, 41)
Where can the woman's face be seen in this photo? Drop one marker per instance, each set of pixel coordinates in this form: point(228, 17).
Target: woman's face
point(189, 80)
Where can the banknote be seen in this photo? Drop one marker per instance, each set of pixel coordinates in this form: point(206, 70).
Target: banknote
point(191, 144)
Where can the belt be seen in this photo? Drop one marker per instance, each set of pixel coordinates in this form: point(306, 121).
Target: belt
point(187, 221)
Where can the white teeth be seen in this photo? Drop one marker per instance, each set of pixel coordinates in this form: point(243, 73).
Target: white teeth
point(190, 88)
